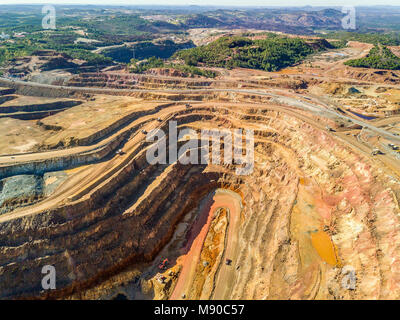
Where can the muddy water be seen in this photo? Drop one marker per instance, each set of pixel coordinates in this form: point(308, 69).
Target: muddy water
point(311, 214)
point(326, 249)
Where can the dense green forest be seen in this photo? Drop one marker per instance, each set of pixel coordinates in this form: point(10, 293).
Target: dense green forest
point(380, 57)
point(60, 42)
point(146, 49)
point(269, 54)
point(107, 29)
point(64, 41)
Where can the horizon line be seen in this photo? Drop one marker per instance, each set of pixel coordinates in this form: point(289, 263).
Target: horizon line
point(194, 5)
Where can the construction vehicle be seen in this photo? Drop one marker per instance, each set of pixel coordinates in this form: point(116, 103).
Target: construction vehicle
point(393, 146)
point(376, 152)
point(163, 265)
point(328, 128)
point(161, 279)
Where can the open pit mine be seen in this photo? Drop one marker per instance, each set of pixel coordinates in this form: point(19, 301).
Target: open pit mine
point(316, 218)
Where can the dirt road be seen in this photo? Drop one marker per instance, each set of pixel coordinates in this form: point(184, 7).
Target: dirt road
point(232, 202)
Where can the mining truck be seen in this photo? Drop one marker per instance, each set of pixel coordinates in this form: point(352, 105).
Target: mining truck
point(163, 265)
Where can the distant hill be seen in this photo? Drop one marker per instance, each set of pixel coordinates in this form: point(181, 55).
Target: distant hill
point(293, 21)
point(269, 54)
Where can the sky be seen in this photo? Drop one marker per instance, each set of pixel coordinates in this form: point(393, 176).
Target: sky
point(215, 2)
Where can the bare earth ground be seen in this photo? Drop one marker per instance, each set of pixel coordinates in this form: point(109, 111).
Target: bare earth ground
point(317, 201)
